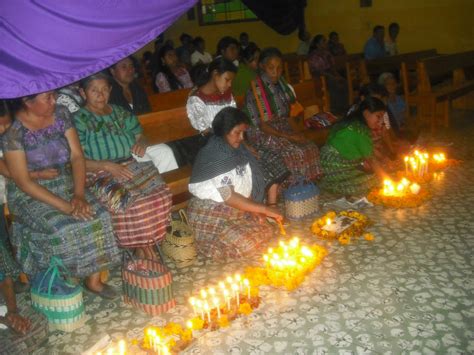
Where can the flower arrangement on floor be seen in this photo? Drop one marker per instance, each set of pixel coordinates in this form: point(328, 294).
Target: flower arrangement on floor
point(403, 195)
point(345, 226)
point(286, 265)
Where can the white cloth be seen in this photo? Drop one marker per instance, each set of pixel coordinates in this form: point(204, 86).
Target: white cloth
point(204, 58)
point(386, 121)
point(162, 157)
point(391, 47)
point(201, 114)
point(240, 179)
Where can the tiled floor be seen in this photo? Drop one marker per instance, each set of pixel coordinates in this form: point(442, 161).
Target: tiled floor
point(409, 291)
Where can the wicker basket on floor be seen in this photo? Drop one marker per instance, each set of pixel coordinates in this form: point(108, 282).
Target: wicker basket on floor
point(179, 243)
point(301, 201)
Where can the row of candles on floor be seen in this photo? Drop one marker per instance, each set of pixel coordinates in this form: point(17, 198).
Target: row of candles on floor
point(227, 293)
point(400, 189)
point(418, 162)
point(289, 257)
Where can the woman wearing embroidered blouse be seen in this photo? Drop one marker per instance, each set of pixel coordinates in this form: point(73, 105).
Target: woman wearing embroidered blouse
point(228, 188)
point(119, 158)
point(57, 216)
point(268, 104)
point(172, 75)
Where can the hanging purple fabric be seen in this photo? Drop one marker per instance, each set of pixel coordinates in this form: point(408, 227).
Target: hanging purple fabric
point(47, 44)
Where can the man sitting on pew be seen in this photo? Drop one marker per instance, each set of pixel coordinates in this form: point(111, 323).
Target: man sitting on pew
point(375, 48)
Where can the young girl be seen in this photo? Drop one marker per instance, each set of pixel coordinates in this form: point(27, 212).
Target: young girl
point(172, 75)
point(396, 104)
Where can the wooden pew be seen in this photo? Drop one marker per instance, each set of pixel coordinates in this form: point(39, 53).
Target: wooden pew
point(292, 67)
point(168, 100)
point(357, 76)
point(393, 63)
point(341, 60)
point(166, 126)
point(434, 100)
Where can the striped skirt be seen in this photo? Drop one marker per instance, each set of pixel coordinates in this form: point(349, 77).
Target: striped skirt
point(41, 231)
point(144, 220)
point(342, 176)
point(225, 232)
point(302, 160)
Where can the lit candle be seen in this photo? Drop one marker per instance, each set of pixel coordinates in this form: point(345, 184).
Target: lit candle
point(247, 284)
point(199, 307)
point(149, 334)
point(212, 291)
point(229, 280)
point(203, 294)
point(328, 221)
point(192, 301)
point(235, 288)
point(415, 188)
point(122, 347)
point(406, 165)
point(227, 299)
point(222, 285)
point(217, 306)
point(189, 325)
point(208, 311)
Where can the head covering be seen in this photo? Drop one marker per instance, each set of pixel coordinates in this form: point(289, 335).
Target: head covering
point(217, 157)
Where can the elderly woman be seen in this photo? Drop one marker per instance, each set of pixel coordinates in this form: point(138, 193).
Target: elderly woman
point(58, 216)
point(119, 159)
point(228, 188)
point(348, 160)
point(268, 104)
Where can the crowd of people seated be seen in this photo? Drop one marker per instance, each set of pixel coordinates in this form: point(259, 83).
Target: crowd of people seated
point(62, 149)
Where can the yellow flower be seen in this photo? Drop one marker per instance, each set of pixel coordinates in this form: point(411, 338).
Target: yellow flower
point(197, 323)
point(173, 328)
point(171, 343)
point(187, 335)
point(223, 321)
point(245, 308)
point(369, 236)
point(344, 240)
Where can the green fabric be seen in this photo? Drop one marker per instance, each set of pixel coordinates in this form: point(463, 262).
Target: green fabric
point(352, 141)
point(242, 80)
point(107, 137)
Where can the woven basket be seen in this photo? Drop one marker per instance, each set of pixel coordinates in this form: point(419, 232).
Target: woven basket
point(179, 243)
point(14, 343)
point(58, 300)
point(301, 201)
point(147, 285)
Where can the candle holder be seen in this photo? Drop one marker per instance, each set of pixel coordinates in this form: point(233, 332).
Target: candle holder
point(345, 226)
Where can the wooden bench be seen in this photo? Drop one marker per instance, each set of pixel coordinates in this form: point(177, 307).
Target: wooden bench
point(168, 100)
point(166, 126)
point(434, 100)
point(341, 60)
point(357, 76)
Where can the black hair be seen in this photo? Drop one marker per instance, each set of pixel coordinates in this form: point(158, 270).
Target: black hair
point(173, 81)
point(129, 57)
point(198, 40)
point(84, 83)
point(227, 119)
point(159, 40)
point(315, 42)
point(249, 53)
point(17, 104)
point(269, 53)
point(224, 43)
point(332, 34)
point(185, 36)
point(377, 28)
point(372, 104)
point(3, 108)
point(393, 25)
point(202, 73)
point(147, 56)
point(373, 89)
point(243, 34)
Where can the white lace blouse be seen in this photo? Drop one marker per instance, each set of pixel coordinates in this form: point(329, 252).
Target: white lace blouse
point(240, 179)
point(201, 114)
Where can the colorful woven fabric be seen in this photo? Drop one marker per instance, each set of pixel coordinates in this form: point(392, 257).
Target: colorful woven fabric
point(225, 232)
point(140, 207)
point(8, 267)
point(41, 231)
point(344, 176)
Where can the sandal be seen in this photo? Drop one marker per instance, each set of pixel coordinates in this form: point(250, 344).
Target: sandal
point(107, 292)
point(16, 323)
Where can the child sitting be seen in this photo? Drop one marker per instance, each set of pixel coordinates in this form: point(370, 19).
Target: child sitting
point(395, 102)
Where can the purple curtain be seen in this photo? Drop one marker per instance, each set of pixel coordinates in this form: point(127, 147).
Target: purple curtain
point(47, 44)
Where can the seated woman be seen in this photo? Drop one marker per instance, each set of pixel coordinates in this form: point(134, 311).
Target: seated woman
point(321, 63)
point(110, 137)
point(228, 188)
point(347, 159)
point(268, 104)
point(247, 70)
point(172, 75)
point(209, 98)
point(58, 216)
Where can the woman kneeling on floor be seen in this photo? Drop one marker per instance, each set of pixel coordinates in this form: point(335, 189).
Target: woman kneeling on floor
point(347, 159)
point(54, 215)
point(227, 211)
point(122, 168)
